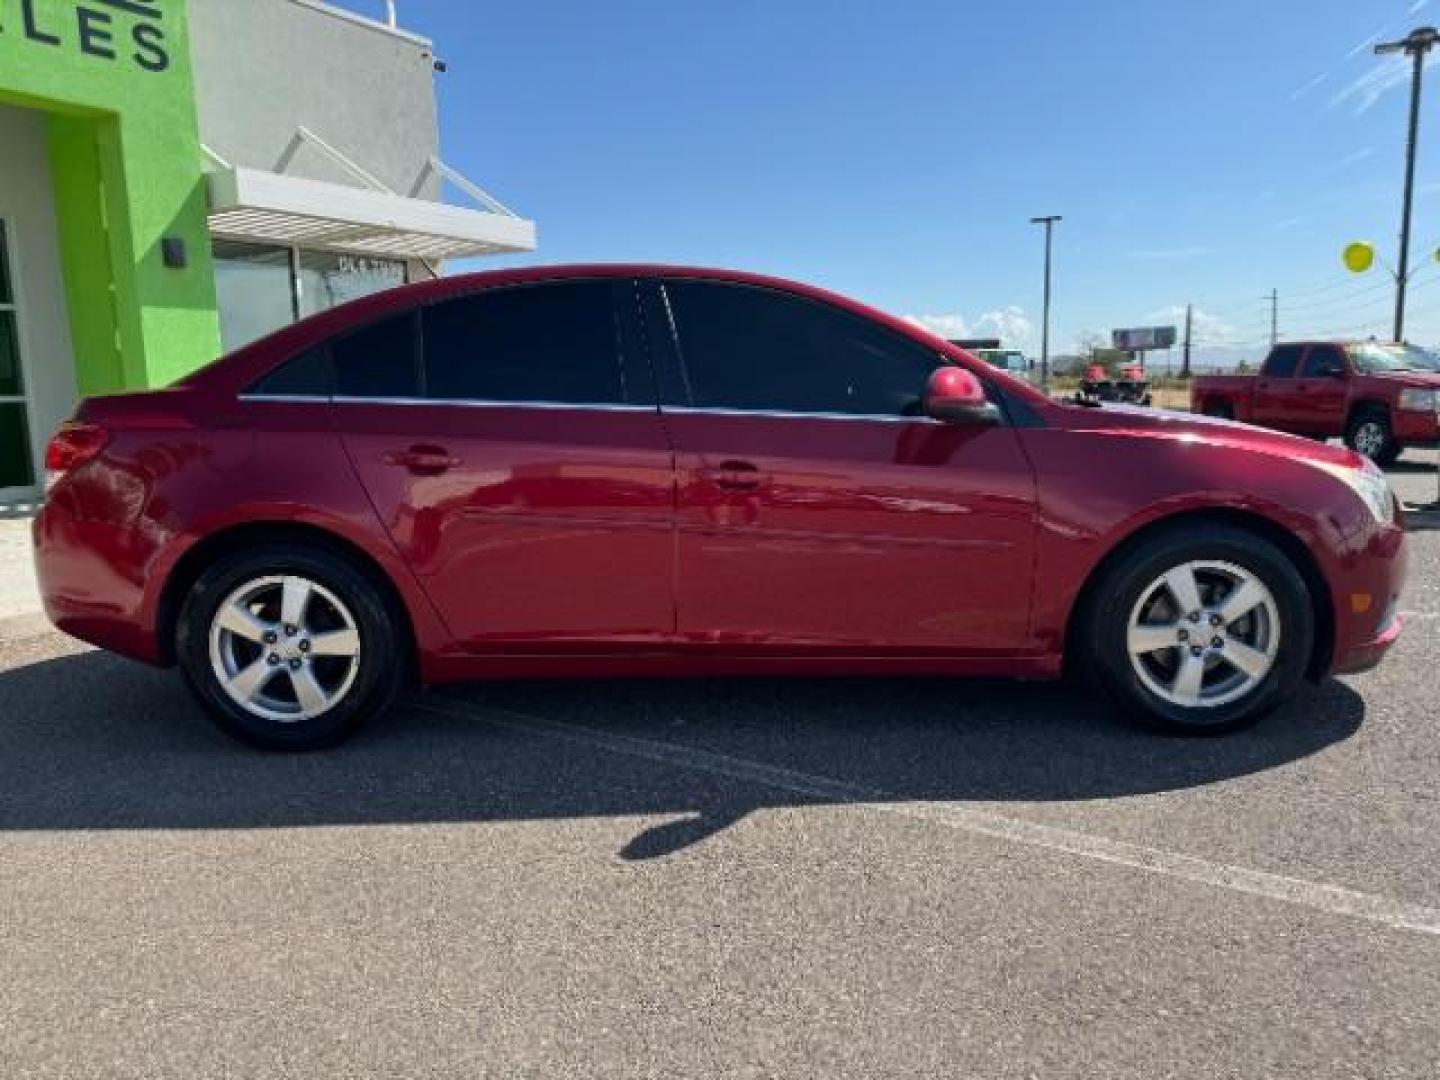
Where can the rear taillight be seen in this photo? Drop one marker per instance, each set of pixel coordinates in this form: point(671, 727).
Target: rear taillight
point(72, 446)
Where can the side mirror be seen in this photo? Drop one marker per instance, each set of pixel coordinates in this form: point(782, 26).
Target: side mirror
point(956, 396)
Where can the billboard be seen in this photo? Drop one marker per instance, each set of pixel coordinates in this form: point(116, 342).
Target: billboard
point(1144, 338)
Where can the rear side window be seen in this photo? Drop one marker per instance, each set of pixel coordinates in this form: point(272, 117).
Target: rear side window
point(1282, 361)
point(757, 349)
point(379, 361)
point(536, 343)
point(309, 375)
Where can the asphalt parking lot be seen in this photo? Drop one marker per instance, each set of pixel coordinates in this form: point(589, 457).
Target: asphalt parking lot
point(748, 878)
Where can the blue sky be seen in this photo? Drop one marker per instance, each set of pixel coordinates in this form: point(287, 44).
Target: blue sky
point(1199, 151)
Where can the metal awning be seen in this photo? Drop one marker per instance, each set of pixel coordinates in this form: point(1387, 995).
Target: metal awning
point(273, 208)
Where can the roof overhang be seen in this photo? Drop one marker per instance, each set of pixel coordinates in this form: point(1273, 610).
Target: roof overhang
point(270, 208)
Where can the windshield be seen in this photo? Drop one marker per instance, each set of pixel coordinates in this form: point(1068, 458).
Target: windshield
point(1378, 359)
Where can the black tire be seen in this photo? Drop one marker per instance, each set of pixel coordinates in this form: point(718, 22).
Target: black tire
point(1219, 411)
point(1369, 427)
point(1102, 645)
point(379, 673)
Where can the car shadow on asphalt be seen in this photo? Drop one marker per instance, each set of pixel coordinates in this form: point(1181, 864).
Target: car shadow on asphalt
point(93, 742)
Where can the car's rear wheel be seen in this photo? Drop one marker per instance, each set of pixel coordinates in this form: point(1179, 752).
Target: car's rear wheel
point(1370, 433)
point(288, 647)
point(1200, 630)
point(1220, 411)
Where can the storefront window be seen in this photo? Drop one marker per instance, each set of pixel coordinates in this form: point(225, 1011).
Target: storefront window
point(15, 470)
point(259, 293)
point(253, 287)
point(328, 280)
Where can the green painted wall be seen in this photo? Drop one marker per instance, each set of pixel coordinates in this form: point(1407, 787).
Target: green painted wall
point(116, 83)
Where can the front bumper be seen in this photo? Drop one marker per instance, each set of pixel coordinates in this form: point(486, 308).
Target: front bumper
point(1367, 592)
point(1414, 428)
point(1367, 656)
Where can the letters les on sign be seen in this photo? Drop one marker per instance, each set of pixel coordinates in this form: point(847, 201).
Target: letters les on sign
point(118, 31)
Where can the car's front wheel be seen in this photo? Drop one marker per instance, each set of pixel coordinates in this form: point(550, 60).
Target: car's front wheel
point(1200, 630)
point(288, 647)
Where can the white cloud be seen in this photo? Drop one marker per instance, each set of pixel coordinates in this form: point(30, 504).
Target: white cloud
point(1370, 87)
point(1287, 223)
point(1417, 5)
point(1301, 91)
point(946, 326)
point(1351, 159)
point(1371, 40)
point(1010, 324)
point(1204, 327)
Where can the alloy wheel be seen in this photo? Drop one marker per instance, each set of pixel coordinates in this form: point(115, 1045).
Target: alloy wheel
point(1204, 634)
point(1370, 438)
point(284, 648)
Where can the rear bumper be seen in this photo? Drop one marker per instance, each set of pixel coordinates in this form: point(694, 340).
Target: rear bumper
point(93, 582)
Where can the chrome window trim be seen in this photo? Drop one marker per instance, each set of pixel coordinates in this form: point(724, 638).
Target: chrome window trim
point(781, 414)
point(688, 410)
point(466, 403)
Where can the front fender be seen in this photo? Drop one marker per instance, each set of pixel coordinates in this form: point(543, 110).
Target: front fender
point(1099, 489)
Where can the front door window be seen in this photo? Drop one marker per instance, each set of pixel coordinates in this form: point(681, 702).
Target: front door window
point(16, 468)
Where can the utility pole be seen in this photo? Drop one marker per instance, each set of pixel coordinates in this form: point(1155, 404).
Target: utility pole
point(1049, 223)
point(1416, 46)
point(1274, 298)
point(1189, 325)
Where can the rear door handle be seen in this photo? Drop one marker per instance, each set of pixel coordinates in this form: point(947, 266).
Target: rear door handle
point(423, 460)
point(737, 476)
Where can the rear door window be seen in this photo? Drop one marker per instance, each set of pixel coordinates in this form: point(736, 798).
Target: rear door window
point(309, 375)
point(379, 361)
point(555, 343)
point(1282, 362)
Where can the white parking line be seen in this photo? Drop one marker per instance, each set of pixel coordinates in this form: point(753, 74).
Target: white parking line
point(1333, 899)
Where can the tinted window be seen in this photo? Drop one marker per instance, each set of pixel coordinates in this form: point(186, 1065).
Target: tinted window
point(754, 348)
point(1282, 361)
point(1323, 361)
point(542, 343)
point(307, 375)
point(378, 361)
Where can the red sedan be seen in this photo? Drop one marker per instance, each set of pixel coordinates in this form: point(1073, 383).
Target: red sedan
point(645, 470)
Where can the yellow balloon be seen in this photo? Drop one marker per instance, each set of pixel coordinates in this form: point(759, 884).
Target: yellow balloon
point(1360, 257)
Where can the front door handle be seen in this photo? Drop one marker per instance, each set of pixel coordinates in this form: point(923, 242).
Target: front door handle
point(737, 476)
point(423, 459)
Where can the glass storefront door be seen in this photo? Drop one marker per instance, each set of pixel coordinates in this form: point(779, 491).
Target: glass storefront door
point(16, 469)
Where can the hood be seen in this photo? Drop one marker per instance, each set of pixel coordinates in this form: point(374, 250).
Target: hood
point(1410, 380)
point(1164, 424)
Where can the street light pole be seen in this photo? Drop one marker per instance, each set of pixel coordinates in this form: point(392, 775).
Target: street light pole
point(1417, 45)
point(1049, 223)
